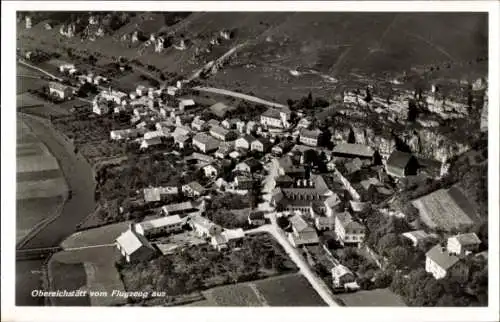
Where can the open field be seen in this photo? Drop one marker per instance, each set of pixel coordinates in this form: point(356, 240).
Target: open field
point(68, 276)
point(29, 103)
point(377, 297)
point(30, 212)
point(96, 236)
point(41, 187)
point(322, 47)
point(289, 290)
point(91, 269)
point(440, 210)
point(25, 83)
point(286, 290)
point(233, 295)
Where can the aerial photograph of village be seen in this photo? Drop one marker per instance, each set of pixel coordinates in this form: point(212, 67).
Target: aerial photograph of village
point(296, 159)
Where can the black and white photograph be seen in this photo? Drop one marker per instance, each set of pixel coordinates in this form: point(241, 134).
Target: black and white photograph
point(191, 156)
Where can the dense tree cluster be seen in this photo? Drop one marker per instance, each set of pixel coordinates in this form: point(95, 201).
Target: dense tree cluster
point(419, 288)
point(307, 103)
point(201, 267)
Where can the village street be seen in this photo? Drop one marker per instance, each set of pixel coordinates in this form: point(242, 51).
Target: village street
point(318, 284)
point(269, 183)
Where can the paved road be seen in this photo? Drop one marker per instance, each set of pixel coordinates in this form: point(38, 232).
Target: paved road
point(313, 279)
point(245, 97)
point(38, 69)
point(269, 184)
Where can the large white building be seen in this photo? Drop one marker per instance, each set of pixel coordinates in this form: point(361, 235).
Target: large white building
point(163, 225)
point(60, 90)
point(275, 118)
point(134, 246)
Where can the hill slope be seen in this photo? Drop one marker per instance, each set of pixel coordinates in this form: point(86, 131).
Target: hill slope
point(322, 47)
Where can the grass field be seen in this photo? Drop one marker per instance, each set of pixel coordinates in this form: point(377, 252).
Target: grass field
point(96, 236)
point(46, 188)
point(91, 269)
point(233, 295)
point(40, 186)
point(338, 45)
point(29, 103)
point(32, 211)
point(439, 209)
point(23, 84)
point(289, 290)
point(68, 276)
point(377, 297)
point(286, 290)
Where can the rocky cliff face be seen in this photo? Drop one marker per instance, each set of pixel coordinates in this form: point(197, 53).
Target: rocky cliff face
point(427, 143)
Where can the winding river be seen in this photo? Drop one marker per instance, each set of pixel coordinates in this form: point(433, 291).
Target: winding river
point(80, 179)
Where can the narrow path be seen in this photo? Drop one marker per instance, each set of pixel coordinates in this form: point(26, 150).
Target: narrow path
point(431, 44)
point(318, 284)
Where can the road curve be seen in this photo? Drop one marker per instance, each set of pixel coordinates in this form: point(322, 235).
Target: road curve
point(242, 96)
point(313, 279)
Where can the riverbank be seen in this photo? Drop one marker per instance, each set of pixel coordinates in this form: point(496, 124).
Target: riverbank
point(80, 179)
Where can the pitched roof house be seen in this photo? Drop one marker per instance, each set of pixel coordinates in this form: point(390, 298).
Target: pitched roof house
point(348, 230)
point(463, 244)
point(222, 240)
point(342, 277)
point(244, 142)
point(157, 193)
point(261, 145)
point(134, 246)
point(205, 143)
point(302, 233)
point(401, 164)
point(417, 236)
point(256, 218)
point(439, 262)
point(352, 150)
point(222, 134)
point(251, 165)
point(204, 227)
point(181, 208)
point(309, 137)
point(193, 189)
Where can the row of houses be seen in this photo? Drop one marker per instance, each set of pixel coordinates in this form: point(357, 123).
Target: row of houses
point(135, 243)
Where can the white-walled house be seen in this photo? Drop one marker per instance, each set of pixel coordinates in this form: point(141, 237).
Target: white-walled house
point(210, 171)
point(244, 142)
point(134, 246)
point(342, 277)
point(309, 137)
point(439, 262)
point(163, 225)
point(347, 230)
point(463, 244)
